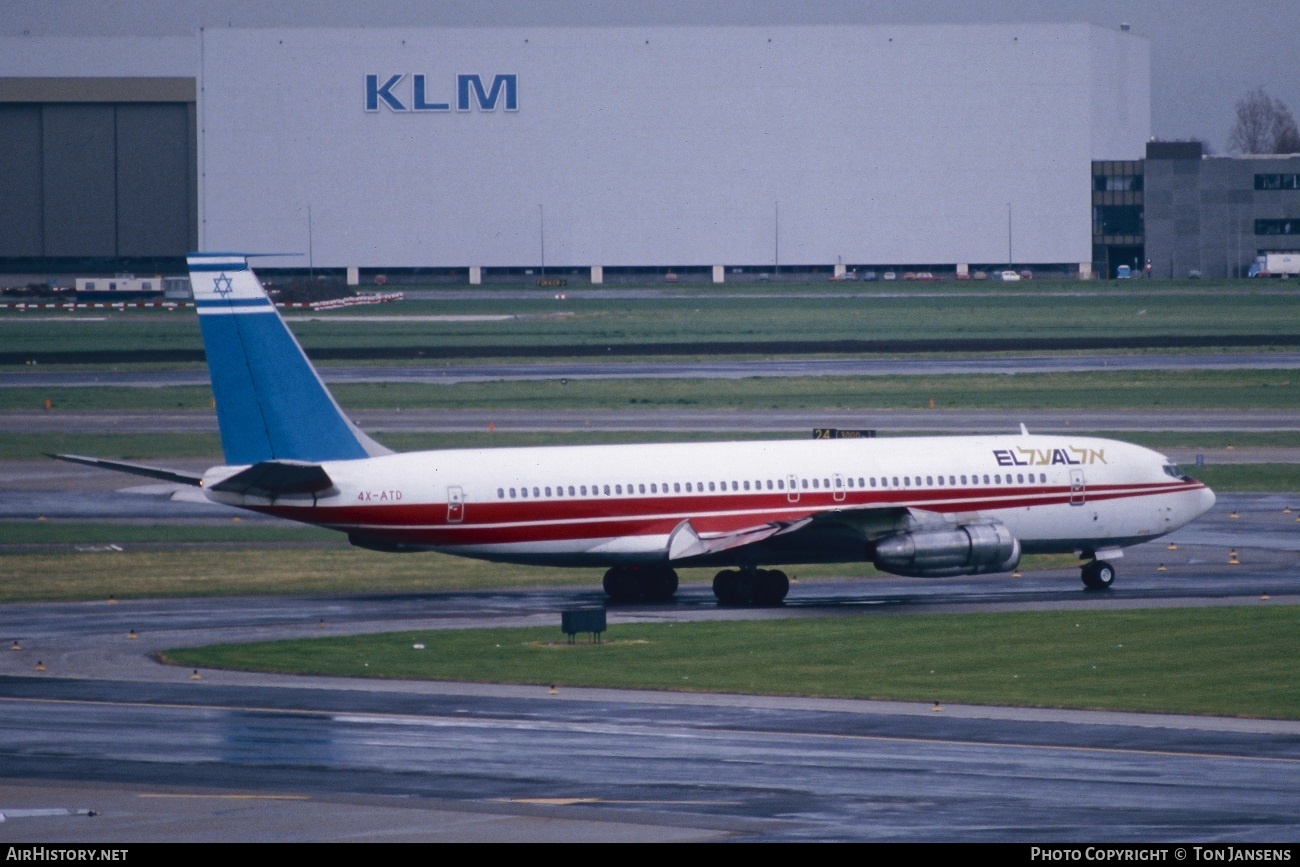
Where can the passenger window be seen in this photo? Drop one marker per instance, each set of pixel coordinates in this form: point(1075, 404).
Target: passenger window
point(815, 485)
point(929, 480)
point(548, 491)
point(536, 492)
point(677, 487)
point(607, 490)
point(570, 490)
point(501, 493)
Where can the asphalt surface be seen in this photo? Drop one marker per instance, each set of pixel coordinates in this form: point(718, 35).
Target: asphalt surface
point(1022, 345)
point(797, 422)
point(158, 754)
point(441, 374)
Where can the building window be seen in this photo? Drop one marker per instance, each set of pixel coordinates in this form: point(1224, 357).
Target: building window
point(1277, 182)
point(1117, 183)
point(1289, 226)
point(1117, 220)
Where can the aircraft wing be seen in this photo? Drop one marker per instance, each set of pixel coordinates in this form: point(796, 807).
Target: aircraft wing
point(687, 542)
point(135, 469)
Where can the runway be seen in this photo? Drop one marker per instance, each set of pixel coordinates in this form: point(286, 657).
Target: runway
point(159, 755)
point(796, 422)
point(710, 368)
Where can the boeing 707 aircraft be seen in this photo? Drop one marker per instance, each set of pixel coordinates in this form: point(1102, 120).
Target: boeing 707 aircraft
point(916, 506)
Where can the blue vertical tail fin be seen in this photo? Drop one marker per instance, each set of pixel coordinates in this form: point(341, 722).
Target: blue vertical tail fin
point(271, 403)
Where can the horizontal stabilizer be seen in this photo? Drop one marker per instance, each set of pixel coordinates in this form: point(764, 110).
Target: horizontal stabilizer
point(278, 479)
point(135, 469)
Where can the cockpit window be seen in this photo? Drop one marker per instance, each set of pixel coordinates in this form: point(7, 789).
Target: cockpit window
point(1173, 471)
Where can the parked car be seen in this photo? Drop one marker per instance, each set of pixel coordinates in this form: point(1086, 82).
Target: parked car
point(1123, 272)
point(890, 275)
point(923, 276)
point(1010, 277)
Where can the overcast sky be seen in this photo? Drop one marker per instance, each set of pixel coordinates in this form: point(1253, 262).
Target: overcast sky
point(1205, 54)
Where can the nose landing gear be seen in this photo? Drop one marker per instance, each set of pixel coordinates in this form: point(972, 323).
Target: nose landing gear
point(1098, 575)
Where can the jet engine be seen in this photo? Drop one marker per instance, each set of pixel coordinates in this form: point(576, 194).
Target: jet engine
point(972, 549)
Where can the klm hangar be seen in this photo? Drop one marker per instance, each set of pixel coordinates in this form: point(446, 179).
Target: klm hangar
point(489, 150)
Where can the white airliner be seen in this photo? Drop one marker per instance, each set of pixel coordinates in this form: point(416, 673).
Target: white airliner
point(917, 506)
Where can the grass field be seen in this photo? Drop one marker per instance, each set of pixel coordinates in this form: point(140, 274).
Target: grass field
point(24, 446)
point(1039, 310)
point(1192, 389)
point(1221, 661)
point(211, 562)
point(1229, 661)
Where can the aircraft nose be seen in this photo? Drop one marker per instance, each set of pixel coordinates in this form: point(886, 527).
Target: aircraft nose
point(1204, 500)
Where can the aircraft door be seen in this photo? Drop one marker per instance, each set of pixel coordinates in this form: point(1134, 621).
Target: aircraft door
point(455, 504)
point(792, 492)
point(1078, 488)
point(840, 492)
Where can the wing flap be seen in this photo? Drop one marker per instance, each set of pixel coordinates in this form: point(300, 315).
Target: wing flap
point(685, 541)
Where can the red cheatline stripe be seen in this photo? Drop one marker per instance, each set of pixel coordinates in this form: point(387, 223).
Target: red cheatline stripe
point(552, 520)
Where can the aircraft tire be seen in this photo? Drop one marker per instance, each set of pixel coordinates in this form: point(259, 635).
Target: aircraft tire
point(1098, 575)
point(660, 585)
point(772, 587)
point(727, 587)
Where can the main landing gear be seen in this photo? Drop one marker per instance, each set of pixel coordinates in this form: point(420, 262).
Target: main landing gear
point(751, 586)
point(640, 583)
point(1098, 575)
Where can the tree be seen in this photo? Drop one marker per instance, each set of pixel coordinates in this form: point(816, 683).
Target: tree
point(1264, 126)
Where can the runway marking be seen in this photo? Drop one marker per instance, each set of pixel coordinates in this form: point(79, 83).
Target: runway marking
point(497, 722)
point(226, 797)
point(569, 802)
